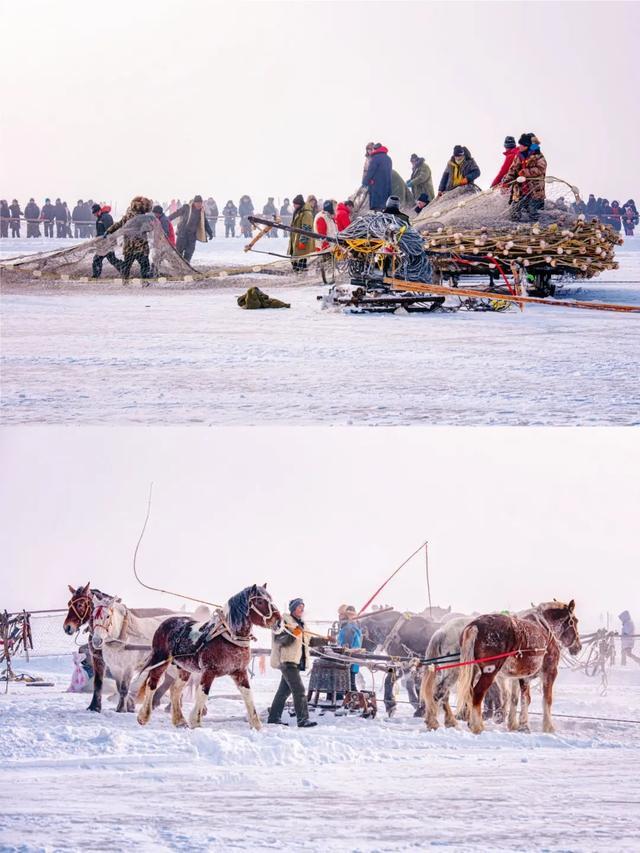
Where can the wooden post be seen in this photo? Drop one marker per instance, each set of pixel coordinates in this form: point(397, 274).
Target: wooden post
point(258, 236)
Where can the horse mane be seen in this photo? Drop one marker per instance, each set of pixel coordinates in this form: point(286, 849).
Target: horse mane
point(238, 608)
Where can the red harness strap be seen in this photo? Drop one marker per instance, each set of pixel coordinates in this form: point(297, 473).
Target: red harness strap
point(486, 660)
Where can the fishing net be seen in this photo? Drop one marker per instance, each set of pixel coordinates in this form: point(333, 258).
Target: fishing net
point(385, 243)
point(138, 249)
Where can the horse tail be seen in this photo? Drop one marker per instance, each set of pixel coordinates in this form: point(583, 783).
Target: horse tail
point(465, 677)
point(427, 687)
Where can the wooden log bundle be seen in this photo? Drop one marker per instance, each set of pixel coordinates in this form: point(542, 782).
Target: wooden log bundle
point(582, 247)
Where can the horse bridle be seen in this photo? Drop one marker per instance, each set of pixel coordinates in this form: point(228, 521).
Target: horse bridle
point(257, 610)
point(106, 625)
point(568, 621)
point(82, 618)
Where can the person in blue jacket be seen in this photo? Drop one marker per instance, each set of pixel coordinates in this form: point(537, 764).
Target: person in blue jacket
point(350, 637)
point(377, 178)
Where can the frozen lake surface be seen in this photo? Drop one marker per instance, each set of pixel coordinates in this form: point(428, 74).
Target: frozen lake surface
point(163, 356)
point(75, 780)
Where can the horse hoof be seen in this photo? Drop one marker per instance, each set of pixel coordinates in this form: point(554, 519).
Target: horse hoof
point(432, 726)
point(181, 724)
point(142, 720)
point(524, 728)
point(451, 724)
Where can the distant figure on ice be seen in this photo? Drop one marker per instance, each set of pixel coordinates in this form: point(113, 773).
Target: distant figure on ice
point(629, 217)
point(299, 244)
point(192, 227)
point(510, 151)
point(421, 180)
point(245, 209)
point(526, 178)
point(5, 216)
point(48, 214)
point(377, 179)
point(615, 217)
point(32, 215)
point(104, 221)
point(627, 639)
point(592, 206)
point(135, 248)
point(270, 211)
point(461, 170)
point(16, 213)
point(290, 654)
point(230, 212)
point(211, 212)
point(285, 214)
point(60, 212)
point(167, 227)
point(76, 217)
point(344, 211)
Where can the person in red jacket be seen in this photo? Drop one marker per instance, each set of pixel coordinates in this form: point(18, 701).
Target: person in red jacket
point(510, 151)
point(167, 225)
point(343, 214)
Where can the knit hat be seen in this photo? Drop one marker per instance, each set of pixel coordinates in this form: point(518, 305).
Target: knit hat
point(423, 197)
point(525, 139)
point(328, 207)
point(295, 602)
point(458, 150)
point(96, 208)
point(413, 158)
point(197, 198)
point(393, 201)
point(299, 199)
point(157, 209)
point(509, 142)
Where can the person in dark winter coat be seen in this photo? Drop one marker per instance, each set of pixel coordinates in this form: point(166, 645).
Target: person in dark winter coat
point(377, 179)
point(245, 209)
point(393, 207)
point(16, 213)
point(167, 226)
point(510, 151)
point(32, 215)
point(211, 212)
point(290, 654)
point(48, 214)
point(299, 244)
point(270, 211)
point(76, 218)
point(230, 212)
point(629, 217)
point(461, 170)
point(615, 218)
point(592, 206)
point(627, 638)
point(526, 178)
point(60, 212)
point(193, 226)
point(5, 216)
point(421, 181)
point(104, 221)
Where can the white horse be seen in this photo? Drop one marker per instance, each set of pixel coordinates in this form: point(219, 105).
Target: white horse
point(124, 637)
point(437, 685)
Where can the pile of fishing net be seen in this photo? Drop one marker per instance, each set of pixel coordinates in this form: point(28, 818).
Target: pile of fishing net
point(470, 222)
point(76, 262)
point(377, 238)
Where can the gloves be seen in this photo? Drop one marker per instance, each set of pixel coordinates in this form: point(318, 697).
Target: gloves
point(464, 181)
point(297, 632)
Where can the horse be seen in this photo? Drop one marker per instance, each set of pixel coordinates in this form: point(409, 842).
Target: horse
point(399, 635)
point(219, 647)
point(80, 613)
point(116, 629)
point(534, 638)
point(437, 685)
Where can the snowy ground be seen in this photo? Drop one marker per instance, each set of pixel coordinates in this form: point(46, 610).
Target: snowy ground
point(166, 356)
point(75, 780)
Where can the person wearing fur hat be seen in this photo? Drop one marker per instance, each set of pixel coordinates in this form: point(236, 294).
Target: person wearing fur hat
point(421, 181)
point(192, 226)
point(526, 179)
point(510, 151)
point(299, 244)
point(461, 170)
point(290, 654)
point(136, 248)
point(245, 210)
point(229, 213)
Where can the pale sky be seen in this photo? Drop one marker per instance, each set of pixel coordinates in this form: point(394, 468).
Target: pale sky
point(171, 98)
point(512, 516)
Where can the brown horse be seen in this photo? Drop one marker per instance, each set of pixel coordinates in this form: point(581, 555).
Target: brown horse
point(534, 637)
point(81, 613)
point(219, 647)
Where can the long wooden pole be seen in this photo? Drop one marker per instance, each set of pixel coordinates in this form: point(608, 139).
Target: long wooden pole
point(258, 236)
point(415, 287)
